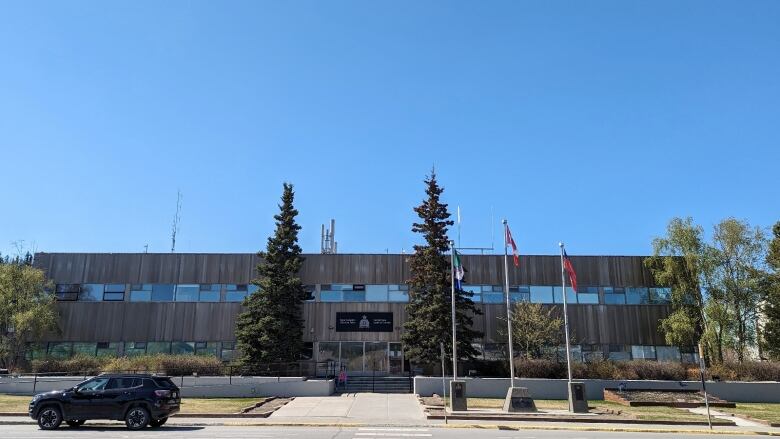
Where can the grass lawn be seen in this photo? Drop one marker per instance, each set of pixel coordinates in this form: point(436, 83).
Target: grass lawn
point(14, 403)
point(765, 411)
point(644, 413)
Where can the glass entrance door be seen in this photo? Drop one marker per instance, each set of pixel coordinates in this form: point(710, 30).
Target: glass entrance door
point(352, 356)
point(396, 359)
point(376, 358)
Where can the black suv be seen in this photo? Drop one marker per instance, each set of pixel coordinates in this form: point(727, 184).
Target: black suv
point(137, 399)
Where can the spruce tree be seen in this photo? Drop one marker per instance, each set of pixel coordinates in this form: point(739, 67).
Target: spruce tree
point(270, 329)
point(429, 321)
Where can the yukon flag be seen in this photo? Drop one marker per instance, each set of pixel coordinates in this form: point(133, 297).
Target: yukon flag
point(570, 269)
point(510, 241)
point(459, 272)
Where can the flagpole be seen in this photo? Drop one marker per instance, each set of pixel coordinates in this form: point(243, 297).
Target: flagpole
point(508, 309)
point(566, 325)
point(454, 335)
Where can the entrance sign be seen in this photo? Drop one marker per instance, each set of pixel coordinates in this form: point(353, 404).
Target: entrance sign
point(364, 322)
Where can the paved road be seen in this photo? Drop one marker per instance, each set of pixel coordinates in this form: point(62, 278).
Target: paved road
point(228, 432)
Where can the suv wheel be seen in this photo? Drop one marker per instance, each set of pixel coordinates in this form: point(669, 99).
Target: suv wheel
point(76, 423)
point(158, 423)
point(49, 418)
point(137, 418)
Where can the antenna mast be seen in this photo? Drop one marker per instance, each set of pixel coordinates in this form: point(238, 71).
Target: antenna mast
point(176, 220)
point(328, 245)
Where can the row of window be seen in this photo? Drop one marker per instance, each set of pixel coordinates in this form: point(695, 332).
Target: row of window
point(63, 350)
point(587, 353)
point(358, 293)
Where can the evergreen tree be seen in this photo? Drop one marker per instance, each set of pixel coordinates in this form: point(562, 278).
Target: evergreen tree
point(429, 317)
point(270, 329)
point(771, 332)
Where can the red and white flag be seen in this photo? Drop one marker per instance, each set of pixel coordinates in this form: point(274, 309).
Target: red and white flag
point(570, 269)
point(510, 241)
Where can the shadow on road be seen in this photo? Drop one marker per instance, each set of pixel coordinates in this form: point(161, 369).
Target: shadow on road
point(88, 427)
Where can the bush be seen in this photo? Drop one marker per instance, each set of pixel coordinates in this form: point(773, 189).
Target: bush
point(747, 371)
point(79, 364)
point(525, 368)
point(651, 370)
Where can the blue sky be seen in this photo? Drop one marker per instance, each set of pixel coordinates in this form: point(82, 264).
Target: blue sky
point(588, 122)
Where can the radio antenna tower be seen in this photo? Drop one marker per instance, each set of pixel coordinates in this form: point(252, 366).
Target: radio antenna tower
point(176, 220)
point(328, 245)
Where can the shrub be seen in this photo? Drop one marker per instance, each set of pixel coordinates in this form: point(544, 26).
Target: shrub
point(651, 370)
point(79, 364)
point(747, 371)
point(189, 364)
point(525, 368)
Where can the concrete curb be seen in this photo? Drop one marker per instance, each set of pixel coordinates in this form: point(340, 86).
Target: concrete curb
point(581, 420)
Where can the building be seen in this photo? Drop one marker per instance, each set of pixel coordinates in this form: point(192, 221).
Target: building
point(131, 303)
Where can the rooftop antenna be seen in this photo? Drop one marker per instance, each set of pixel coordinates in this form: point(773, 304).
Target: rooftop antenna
point(146, 248)
point(176, 220)
point(459, 241)
point(328, 245)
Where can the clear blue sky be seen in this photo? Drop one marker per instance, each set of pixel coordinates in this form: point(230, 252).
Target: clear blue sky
point(592, 122)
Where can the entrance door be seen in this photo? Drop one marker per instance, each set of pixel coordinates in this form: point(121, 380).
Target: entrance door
point(396, 359)
point(376, 358)
point(352, 357)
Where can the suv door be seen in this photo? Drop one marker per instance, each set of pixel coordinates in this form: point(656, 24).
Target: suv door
point(119, 391)
point(86, 399)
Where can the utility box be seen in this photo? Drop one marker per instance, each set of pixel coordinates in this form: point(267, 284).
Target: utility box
point(518, 400)
point(458, 396)
point(578, 401)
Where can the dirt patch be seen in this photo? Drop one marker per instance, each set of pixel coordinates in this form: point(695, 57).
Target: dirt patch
point(266, 406)
point(667, 398)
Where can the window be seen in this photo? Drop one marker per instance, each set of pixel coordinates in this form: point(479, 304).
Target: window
point(589, 295)
point(114, 292)
point(637, 296)
point(643, 352)
point(123, 383)
point(376, 293)
point(135, 348)
point(91, 292)
point(209, 293)
point(357, 293)
point(106, 349)
point(235, 293)
point(571, 296)
point(67, 291)
point(398, 293)
point(35, 351)
point(162, 292)
point(592, 352)
point(492, 294)
point(614, 296)
point(184, 293)
point(541, 294)
point(207, 349)
point(141, 292)
point(522, 294)
point(495, 351)
point(60, 350)
point(310, 291)
point(182, 348)
point(93, 385)
point(228, 350)
point(84, 348)
point(667, 353)
point(660, 295)
point(158, 347)
point(308, 351)
point(619, 352)
point(335, 292)
point(689, 354)
point(475, 291)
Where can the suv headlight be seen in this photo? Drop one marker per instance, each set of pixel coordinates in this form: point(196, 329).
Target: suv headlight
point(37, 397)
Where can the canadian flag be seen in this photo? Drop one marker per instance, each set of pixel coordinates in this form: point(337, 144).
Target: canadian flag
point(510, 241)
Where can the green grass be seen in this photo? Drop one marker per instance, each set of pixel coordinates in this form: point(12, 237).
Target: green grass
point(764, 411)
point(15, 403)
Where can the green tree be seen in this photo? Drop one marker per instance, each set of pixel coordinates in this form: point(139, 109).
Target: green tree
point(735, 277)
point(27, 309)
point(535, 328)
point(678, 262)
point(270, 329)
point(771, 308)
point(429, 320)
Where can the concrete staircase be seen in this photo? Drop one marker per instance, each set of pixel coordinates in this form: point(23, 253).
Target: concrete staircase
point(383, 384)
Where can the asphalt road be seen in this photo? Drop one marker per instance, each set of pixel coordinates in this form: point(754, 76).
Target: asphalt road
point(171, 432)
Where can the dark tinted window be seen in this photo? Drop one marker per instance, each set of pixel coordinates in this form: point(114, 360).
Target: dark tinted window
point(165, 383)
point(122, 383)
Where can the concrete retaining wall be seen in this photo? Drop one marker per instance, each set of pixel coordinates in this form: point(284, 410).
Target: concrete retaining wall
point(203, 387)
point(556, 389)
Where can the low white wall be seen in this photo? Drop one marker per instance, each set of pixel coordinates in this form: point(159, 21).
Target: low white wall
point(191, 386)
point(556, 389)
